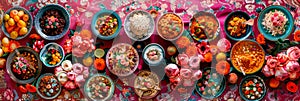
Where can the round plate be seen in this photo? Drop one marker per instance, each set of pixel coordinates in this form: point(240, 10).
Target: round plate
point(220, 79)
point(128, 30)
point(120, 65)
point(10, 59)
point(40, 13)
point(145, 55)
point(244, 50)
point(175, 38)
point(44, 51)
point(30, 21)
point(38, 83)
point(203, 13)
point(252, 77)
point(289, 26)
point(111, 90)
point(149, 75)
point(248, 28)
point(105, 12)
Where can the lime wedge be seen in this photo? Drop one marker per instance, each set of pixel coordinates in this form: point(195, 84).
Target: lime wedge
point(99, 53)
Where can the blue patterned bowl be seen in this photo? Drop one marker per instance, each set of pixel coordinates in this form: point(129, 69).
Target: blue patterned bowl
point(44, 52)
point(94, 22)
point(10, 60)
point(40, 13)
point(38, 87)
point(110, 92)
point(252, 77)
point(288, 27)
point(29, 25)
point(248, 28)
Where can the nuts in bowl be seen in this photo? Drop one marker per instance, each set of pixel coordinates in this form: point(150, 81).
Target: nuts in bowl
point(17, 23)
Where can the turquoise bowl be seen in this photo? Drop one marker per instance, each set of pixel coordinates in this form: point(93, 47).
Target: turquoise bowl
point(29, 25)
point(44, 52)
point(38, 84)
point(40, 13)
point(221, 79)
point(252, 77)
point(248, 28)
point(110, 92)
point(289, 27)
point(94, 21)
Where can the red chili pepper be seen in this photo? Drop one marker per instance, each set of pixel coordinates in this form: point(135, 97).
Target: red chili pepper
point(22, 89)
point(31, 88)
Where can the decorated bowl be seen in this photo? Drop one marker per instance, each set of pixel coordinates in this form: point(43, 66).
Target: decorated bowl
point(100, 20)
point(252, 88)
point(52, 54)
point(153, 54)
point(52, 22)
point(170, 26)
point(48, 86)
point(6, 27)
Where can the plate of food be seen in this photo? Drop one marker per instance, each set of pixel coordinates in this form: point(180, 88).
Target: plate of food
point(17, 23)
point(106, 24)
point(247, 56)
point(153, 54)
point(122, 59)
point(235, 26)
point(48, 86)
point(52, 22)
point(204, 26)
point(170, 26)
point(23, 65)
point(99, 87)
point(275, 22)
point(252, 88)
point(211, 85)
point(146, 85)
point(52, 54)
point(139, 25)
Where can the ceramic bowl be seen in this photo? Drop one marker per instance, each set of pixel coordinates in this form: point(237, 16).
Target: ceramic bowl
point(220, 80)
point(212, 17)
point(110, 92)
point(10, 60)
point(252, 77)
point(44, 52)
point(29, 25)
point(41, 12)
point(38, 85)
point(248, 27)
point(130, 33)
point(160, 50)
point(288, 28)
point(163, 36)
point(94, 22)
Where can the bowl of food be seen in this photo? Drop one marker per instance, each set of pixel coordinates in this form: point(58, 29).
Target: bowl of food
point(52, 54)
point(170, 26)
point(122, 59)
point(52, 22)
point(99, 87)
point(275, 22)
point(235, 25)
point(48, 86)
point(23, 65)
point(17, 23)
point(146, 84)
point(153, 54)
point(211, 85)
point(252, 88)
point(106, 24)
point(139, 25)
point(247, 56)
point(204, 26)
